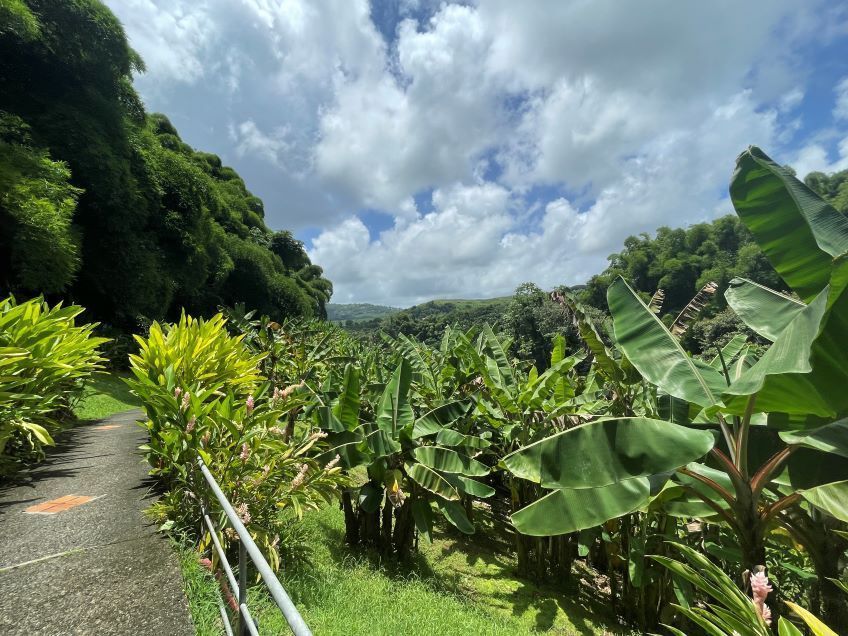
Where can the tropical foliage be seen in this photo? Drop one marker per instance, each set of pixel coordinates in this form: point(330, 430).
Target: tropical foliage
point(205, 398)
point(45, 359)
point(104, 203)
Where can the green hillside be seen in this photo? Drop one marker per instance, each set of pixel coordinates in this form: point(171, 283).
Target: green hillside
point(357, 312)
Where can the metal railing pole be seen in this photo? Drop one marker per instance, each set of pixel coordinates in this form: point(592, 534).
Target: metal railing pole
point(278, 593)
point(242, 596)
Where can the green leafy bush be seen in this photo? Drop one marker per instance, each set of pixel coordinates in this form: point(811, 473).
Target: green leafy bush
point(204, 397)
point(45, 359)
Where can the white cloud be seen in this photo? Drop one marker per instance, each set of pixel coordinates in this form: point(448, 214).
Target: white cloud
point(473, 244)
point(543, 133)
point(173, 40)
point(814, 157)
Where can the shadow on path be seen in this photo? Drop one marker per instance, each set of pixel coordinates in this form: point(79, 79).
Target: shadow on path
point(99, 567)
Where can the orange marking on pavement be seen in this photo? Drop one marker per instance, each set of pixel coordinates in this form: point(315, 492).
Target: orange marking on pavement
point(58, 505)
point(106, 427)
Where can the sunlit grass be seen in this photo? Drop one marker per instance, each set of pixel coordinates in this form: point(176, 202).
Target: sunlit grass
point(104, 395)
point(455, 586)
point(202, 592)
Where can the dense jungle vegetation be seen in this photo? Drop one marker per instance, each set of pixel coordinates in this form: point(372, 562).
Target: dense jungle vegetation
point(668, 440)
point(708, 491)
point(102, 203)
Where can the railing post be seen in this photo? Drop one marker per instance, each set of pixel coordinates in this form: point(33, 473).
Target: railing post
point(242, 600)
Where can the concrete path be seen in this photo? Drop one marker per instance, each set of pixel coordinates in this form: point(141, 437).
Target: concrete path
point(87, 566)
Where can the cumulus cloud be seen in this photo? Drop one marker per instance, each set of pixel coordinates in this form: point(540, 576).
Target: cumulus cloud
point(502, 141)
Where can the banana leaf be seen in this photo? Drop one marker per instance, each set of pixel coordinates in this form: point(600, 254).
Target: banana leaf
point(803, 373)
point(764, 310)
point(656, 353)
point(431, 480)
point(449, 461)
point(830, 498)
point(798, 232)
point(572, 509)
point(395, 411)
point(830, 438)
point(346, 409)
point(608, 451)
point(455, 513)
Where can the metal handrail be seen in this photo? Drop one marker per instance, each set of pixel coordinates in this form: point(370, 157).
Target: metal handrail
point(247, 547)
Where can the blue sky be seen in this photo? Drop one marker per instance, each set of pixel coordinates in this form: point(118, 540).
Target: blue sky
point(430, 149)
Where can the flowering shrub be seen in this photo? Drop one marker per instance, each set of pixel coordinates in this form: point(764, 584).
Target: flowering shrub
point(729, 612)
point(205, 399)
point(45, 359)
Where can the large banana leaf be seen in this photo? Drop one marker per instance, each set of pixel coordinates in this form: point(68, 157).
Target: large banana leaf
point(803, 373)
point(450, 437)
point(808, 468)
point(831, 438)
point(656, 353)
point(501, 370)
point(395, 411)
point(448, 461)
point(381, 444)
point(764, 310)
point(568, 510)
point(346, 410)
point(454, 512)
point(799, 233)
point(423, 515)
point(831, 498)
point(468, 486)
point(431, 480)
point(435, 420)
point(608, 451)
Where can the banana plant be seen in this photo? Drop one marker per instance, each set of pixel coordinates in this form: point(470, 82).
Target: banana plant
point(752, 448)
point(414, 458)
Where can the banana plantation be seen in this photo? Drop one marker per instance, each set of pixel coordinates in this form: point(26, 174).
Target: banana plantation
point(705, 494)
point(711, 492)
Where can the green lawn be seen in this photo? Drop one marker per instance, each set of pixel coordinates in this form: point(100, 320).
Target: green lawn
point(105, 395)
point(456, 586)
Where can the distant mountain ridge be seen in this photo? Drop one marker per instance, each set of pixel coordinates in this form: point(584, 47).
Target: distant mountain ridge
point(362, 312)
point(357, 312)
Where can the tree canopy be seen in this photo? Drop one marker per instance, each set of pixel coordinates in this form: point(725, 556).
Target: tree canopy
point(104, 203)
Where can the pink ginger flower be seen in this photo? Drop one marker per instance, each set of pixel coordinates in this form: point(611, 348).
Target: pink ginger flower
point(297, 482)
point(333, 462)
point(760, 589)
point(243, 513)
point(249, 404)
point(186, 398)
point(177, 392)
point(245, 452)
point(206, 437)
point(190, 426)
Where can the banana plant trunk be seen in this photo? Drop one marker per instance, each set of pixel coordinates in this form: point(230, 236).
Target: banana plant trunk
point(351, 519)
point(404, 531)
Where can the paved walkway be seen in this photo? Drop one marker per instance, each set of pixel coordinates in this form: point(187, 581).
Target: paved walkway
point(87, 566)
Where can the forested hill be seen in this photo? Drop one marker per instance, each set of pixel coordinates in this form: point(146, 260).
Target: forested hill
point(104, 204)
point(357, 312)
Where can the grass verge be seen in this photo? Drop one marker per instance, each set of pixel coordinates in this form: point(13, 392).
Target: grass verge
point(105, 395)
point(455, 586)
